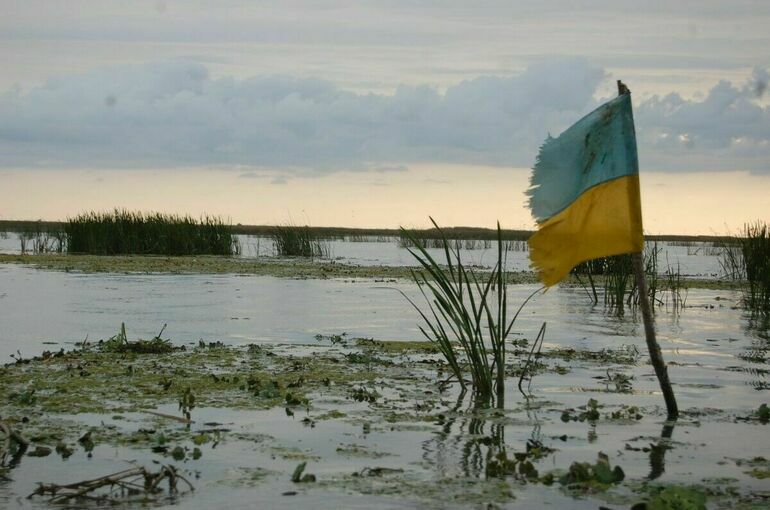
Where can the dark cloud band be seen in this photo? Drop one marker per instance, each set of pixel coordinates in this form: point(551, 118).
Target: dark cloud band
point(174, 113)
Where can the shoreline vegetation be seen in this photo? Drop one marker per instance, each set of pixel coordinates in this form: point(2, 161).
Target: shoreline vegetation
point(122, 232)
point(462, 233)
point(281, 267)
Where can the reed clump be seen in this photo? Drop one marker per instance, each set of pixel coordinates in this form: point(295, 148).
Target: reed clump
point(747, 259)
point(466, 311)
point(614, 276)
point(123, 232)
point(298, 241)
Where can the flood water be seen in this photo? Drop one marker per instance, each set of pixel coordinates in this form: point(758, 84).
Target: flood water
point(45, 310)
point(717, 356)
point(697, 259)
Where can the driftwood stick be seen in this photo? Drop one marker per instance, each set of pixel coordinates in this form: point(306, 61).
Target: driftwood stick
point(127, 480)
point(13, 435)
point(652, 344)
point(180, 419)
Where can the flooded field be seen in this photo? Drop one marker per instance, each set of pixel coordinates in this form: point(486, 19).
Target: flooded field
point(692, 259)
point(334, 373)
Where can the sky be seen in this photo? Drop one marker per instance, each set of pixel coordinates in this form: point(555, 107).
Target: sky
point(375, 114)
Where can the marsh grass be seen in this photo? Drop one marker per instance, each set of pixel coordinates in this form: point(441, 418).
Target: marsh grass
point(467, 311)
point(614, 275)
point(123, 232)
point(298, 241)
point(747, 259)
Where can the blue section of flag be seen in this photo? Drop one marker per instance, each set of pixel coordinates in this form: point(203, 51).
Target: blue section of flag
point(600, 147)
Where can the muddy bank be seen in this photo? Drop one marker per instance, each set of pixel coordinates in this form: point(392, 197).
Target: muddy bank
point(267, 266)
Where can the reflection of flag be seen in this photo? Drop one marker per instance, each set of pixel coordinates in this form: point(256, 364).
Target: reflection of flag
point(584, 192)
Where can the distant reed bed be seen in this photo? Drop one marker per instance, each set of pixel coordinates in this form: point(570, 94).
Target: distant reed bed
point(298, 241)
point(129, 232)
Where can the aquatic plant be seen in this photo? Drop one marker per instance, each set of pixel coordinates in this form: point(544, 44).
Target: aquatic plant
point(747, 259)
point(119, 343)
point(298, 241)
point(129, 232)
point(466, 311)
point(615, 276)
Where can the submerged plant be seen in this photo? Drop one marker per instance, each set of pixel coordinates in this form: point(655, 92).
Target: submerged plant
point(467, 312)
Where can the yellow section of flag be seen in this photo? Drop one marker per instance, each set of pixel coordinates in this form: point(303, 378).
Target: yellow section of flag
point(605, 220)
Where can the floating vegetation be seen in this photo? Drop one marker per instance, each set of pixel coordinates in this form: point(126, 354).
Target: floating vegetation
point(129, 232)
point(334, 339)
point(298, 241)
point(119, 343)
point(623, 355)
point(466, 311)
point(389, 431)
point(674, 498)
point(747, 259)
point(584, 476)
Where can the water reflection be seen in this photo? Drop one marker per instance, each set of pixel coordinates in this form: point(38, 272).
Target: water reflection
point(471, 443)
point(756, 353)
point(658, 452)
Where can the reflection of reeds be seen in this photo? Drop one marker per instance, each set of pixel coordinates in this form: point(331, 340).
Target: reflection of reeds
point(747, 258)
point(296, 241)
point(129, 232)
point(467, 311)
point(38, 238)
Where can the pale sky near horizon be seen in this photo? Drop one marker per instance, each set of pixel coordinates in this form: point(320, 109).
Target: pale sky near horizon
point(374, 114)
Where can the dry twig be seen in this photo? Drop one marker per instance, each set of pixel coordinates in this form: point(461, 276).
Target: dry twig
point(129, 482)
point(11, 436)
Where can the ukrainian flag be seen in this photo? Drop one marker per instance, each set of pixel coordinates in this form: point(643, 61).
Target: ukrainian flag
point(584, 192)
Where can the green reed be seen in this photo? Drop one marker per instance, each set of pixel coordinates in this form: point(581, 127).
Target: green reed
point(298, 241)
point(747, 258)
point(465, 311)
point(131, 232)
point(615, 276)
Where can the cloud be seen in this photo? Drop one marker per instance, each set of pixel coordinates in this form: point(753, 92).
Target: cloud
point(174, 114)
point(727, 129)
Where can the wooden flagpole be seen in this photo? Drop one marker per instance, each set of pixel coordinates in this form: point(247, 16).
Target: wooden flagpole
point(649, 326)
